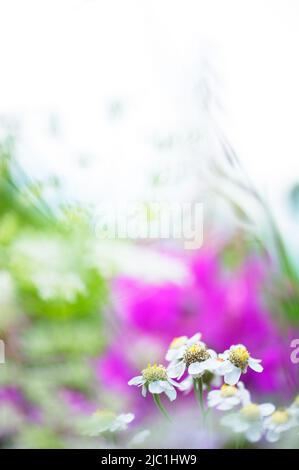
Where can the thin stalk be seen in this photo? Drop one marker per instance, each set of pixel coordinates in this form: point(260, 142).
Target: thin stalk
point(161, 408)
point(198, 390)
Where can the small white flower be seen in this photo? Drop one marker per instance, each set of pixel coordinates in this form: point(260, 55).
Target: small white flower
point(105, 420)
point(228, 397)
point(197, 359)
point(280, 421)
point(236, 360)
point(156, 380)
point(249, 420)
point(178, 345)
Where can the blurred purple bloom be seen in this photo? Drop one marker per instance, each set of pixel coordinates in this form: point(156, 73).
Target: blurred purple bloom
point(227, 307)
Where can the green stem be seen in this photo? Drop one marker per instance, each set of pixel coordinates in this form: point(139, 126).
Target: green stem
point(161, 408)
point(198, 390)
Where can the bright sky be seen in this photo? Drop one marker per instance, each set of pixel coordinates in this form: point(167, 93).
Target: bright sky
point(140, 61)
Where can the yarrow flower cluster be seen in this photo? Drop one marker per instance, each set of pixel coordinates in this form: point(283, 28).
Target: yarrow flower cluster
point(201, 368)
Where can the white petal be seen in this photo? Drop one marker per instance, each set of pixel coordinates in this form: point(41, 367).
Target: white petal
point(214, 401)
point(140, 437)
point(245, 397)
point(155, 387)
point(171, 394)
point(266, 409)
point(255, 365)
point(225, 367)
point(136, 380)
point(194, 339)
point(235, 346)
point(224, 406)
point(235, 422)
point(186, 385)
point(165, 385)
point(233, 400)
point(214, 394)
point(171, 355)
point(195, 368)
point(212, 353)
point(232, 377)
point(224, 355)
point(176, 370)
point(254, 433)
point(144, 391)
point(272, 436)
point(241, 426)
point(121, 421)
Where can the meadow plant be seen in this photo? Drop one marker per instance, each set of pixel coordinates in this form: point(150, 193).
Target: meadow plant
point(190, 357)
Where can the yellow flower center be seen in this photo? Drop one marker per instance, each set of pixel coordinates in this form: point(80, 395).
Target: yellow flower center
point(196, 353)
point(280, 417)
point(251, 412)
point(239, 357)
point(176, 343)
point(228, 390)
point(154, 372)
point(105, 414)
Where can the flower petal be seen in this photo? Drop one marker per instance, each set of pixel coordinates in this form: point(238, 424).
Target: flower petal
point(171, 394)
point(255, 365)
point(254, 433)
point(176, 370)
point(232, 377)
point(272, 436)
point(212, 353)
point(136, 380)
point(155, 387)
point(266, 409)
point(194, 339)
point(195, 368)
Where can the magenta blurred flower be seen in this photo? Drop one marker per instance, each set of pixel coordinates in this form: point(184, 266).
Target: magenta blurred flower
point(227, 307)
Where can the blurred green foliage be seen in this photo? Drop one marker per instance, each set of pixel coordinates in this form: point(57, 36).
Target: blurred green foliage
point(52, 296)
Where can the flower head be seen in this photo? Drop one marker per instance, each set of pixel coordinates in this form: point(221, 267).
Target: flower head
point(236, 360)
point(279, 422)
point(228, 396)
point(197, 359)
point(249, 420)
point(156, 380)
point(178, 345)
point(193, 356)
point(106, 420)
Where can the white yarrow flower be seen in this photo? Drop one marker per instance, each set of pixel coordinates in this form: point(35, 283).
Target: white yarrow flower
point(156, 380)
point(228, 397)
point(178, 345)
point(236, 360)
point(196, 359)
point(105, 420)
point(279, 422)
point(249, 420)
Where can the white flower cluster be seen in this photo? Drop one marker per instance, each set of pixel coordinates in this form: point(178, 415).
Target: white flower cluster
point(204, 365)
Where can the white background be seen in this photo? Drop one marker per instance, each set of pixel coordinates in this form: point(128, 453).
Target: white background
point(73, 62)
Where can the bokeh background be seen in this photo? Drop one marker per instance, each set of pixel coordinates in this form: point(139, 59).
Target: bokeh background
point(136, 101)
